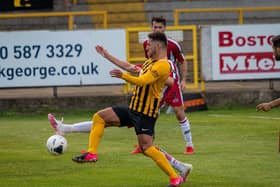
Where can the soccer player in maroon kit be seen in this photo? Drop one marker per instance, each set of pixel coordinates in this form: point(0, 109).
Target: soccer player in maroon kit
point(172, 96)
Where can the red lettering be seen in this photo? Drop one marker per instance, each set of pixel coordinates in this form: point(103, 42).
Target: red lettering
point(269, 40)
point(261, 39)
point(240, 41)
point(251, 41)
point(228, 39)
point(225, 39)
point(248, 63)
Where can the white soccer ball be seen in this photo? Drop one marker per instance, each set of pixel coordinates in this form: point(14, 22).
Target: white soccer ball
point(56, 144)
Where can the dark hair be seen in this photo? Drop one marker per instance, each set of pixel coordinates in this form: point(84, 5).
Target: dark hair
point(159, 19)
point(276, 41)
point(157, 36)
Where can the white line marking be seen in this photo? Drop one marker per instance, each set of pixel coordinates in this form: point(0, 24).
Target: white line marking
point(253, 117)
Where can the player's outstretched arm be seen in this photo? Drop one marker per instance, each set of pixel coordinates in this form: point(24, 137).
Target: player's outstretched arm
point(158, 70)
point(267, 106)
point(140, 81)
point(122, 64)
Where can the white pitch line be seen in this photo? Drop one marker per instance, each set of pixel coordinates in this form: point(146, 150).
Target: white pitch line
point(263, 117)
point(254, 117)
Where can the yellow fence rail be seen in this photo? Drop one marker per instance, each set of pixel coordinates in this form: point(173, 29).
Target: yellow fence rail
point(239, 10)
point(70, 16)
point(193, 56)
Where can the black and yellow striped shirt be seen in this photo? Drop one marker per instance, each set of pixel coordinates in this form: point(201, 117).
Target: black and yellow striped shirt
point(149, 85)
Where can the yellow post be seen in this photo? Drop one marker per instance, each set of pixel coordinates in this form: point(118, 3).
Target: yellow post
point(176, 19)
point(70, 22)
point(240, 16)
point(75, 2)
point(105, 19)
point(195, 63)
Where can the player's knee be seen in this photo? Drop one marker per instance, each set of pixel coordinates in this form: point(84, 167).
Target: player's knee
point(145, 145)
point(179, 112)
point(97, 119)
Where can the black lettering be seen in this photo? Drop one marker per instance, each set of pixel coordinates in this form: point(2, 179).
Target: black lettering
point(72, 70)
point(19, 72)
point(2, 74)
point(10, 73)
point(85, 70)
point(63, 70)
point(43, 72)
point(52, 71)
point(27, 72)
point(94, 69)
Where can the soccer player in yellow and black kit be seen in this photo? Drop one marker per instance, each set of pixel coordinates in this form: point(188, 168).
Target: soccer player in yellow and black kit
point(143, 110)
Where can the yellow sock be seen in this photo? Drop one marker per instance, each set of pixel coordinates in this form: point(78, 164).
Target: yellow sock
point(96, 133)
point(161, 161)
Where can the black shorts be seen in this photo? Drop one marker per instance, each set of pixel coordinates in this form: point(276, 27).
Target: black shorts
point(142, 124)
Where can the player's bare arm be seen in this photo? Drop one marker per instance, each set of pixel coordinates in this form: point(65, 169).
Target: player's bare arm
point(267, 106)
point(169, 82)
point(122, 64)
point(183, 72)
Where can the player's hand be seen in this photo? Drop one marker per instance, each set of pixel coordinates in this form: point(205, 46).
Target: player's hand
point(99, 49)
point(116, 73)
point(183, 85)
point(263, 107)
point(134, 70)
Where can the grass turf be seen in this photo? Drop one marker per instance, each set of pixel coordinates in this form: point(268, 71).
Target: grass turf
point(234, 148)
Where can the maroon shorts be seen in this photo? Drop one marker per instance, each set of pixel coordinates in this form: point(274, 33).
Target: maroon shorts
point(172, 96)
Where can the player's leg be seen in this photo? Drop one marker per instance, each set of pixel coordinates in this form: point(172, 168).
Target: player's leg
point(146, 143)
point(183, 168)
point(104, 118)
point(84, 126)
point(185, 128)
point(144, 128)
point(175, 99)
point(169, 110)
point(62, 128)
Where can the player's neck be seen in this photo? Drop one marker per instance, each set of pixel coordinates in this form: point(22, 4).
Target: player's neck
point(160, 55)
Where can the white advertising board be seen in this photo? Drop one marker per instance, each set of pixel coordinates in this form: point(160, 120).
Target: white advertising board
point(58, 58)
point(244, 52)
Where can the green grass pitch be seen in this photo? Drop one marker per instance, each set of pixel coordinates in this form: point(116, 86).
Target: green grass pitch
point(234, 148)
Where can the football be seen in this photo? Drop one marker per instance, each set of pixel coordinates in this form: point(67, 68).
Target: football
point(56, 144)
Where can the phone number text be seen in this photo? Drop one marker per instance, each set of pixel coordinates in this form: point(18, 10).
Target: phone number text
point(34, 51)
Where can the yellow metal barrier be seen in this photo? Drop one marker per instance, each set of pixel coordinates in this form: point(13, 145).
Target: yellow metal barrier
point(75, 2)
point(60, 14)
point(193, 56)
point(239, 10)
